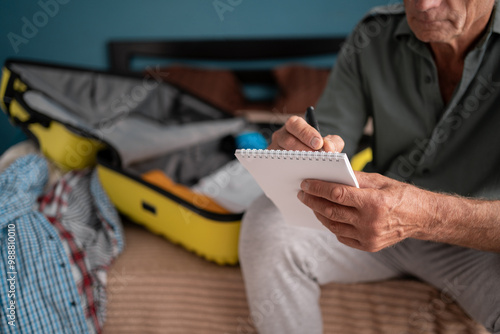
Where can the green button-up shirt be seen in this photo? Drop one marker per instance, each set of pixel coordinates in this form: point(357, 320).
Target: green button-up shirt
point(385, 72)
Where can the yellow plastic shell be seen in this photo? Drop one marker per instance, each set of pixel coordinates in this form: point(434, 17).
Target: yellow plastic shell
point(214, 240)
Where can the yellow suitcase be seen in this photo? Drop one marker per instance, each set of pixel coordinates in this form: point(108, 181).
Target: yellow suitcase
point(121, 124)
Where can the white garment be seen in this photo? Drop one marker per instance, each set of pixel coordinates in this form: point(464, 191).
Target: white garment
point(232, 187)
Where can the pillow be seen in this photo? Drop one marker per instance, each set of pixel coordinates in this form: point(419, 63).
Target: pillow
point(300, 87)
point(219, 87)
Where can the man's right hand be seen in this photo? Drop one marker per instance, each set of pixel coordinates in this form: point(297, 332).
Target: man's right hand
point(296, 134)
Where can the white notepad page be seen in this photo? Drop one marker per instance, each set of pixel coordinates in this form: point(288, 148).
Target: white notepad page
point(279, 174)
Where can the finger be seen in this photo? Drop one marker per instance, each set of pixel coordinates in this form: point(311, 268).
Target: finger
point(275, 138)
point(333, 143)
point(353, 243)
point(334, 192)
point(284, 140)
point(338, 228)
point(305, 133)
point(327, 209)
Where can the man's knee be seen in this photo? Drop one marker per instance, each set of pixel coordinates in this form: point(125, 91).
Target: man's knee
point(257, 228)
point(265, 238)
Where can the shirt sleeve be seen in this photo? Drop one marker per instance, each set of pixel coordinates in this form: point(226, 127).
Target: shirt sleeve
point(342, 107)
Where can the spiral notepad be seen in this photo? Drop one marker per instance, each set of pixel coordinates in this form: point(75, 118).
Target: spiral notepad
point(279, 174)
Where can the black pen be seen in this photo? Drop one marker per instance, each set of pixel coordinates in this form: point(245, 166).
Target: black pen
point(311, 119)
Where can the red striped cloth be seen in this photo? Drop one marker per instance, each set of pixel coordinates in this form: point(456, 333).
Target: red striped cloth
point(87, 239)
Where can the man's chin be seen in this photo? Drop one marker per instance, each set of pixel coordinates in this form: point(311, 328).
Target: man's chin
point(432, 31)
point(434, 36)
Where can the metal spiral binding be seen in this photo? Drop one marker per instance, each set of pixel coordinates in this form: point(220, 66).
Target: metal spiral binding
point(291, 155)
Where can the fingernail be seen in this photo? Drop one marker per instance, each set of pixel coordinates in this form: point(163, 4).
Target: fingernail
point(316, 143)
point(304, 185)
point(300, 195)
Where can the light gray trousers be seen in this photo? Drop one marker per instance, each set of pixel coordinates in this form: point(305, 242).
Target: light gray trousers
point(284, 266)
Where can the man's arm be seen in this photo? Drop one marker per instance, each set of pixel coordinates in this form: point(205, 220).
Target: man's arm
point(384, 211)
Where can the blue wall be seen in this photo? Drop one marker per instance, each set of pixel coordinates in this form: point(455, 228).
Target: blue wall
point(75, 32)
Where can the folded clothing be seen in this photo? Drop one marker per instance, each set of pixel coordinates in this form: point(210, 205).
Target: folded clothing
point(159, 179)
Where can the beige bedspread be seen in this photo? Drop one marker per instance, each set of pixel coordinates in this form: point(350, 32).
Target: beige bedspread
point(157, 287)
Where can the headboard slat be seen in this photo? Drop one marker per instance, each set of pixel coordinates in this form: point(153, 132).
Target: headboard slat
point(121, 53)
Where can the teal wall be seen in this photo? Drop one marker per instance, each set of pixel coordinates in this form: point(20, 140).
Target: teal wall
point(75, 32)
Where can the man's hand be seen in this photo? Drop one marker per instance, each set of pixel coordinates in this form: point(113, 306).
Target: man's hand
point(296, 134)
point(384, 211)
point(379, 214)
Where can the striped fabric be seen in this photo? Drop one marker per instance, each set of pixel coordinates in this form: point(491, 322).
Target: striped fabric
point(60, 266)
point(156, 287)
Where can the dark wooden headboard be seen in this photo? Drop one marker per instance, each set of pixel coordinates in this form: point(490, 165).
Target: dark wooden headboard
point(121, 53)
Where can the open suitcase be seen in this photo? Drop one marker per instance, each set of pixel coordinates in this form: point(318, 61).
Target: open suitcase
point(134, 129)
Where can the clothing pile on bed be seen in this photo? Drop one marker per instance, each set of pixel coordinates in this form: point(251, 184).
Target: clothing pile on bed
point(59, 234)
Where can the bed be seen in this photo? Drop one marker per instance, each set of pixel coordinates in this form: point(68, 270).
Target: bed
point(158, 287)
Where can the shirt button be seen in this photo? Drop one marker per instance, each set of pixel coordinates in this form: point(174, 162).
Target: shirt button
point(426, 171)
point(428, 79)
point(73, 304)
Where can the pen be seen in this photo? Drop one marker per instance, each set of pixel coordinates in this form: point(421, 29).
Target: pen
point(311, 119)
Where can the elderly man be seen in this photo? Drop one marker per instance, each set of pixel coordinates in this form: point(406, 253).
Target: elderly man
point(428, 72)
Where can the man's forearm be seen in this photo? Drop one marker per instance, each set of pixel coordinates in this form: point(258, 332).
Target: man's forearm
point(384, 211)
point(465, 222)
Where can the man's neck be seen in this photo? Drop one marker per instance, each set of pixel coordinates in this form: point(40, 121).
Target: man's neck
point(450, 56)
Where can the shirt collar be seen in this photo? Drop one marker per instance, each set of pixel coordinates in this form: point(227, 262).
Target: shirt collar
point(403, 28)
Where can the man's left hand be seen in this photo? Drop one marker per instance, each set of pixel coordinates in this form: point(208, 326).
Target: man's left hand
point(379, 214)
